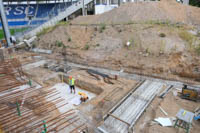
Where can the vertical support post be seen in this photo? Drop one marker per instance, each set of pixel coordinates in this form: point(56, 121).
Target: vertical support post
point(45, 127)
point(176, 123)
point(62, 78)
point(83, 8)
point(30, 82)
point(18, 109)
point(5, 24)
point(119, 2)
point(1, 130)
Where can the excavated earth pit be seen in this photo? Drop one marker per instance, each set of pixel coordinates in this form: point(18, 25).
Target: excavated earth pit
point(104, 89)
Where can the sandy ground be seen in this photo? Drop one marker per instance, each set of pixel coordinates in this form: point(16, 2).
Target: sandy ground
point(168, 10)
point(171, 104)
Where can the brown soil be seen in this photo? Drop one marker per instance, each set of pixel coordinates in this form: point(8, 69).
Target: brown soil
point(148, 53)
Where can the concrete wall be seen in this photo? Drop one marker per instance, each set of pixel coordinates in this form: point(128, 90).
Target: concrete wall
point(186, 2)
point(99, 9)
point(84, 85)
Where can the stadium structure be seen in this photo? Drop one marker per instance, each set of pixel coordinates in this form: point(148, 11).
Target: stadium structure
point(22, 13)
point(28, 15)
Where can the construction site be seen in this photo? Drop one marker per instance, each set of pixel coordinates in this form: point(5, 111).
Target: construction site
point(133, 69)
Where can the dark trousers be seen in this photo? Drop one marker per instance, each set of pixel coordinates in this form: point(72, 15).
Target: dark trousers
point(72, 87)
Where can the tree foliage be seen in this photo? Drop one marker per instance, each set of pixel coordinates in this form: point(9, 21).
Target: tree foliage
point(195, 3)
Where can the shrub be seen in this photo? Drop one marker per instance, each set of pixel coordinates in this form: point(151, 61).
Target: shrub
point(147, 50)
point(95, 28)
point(34, 45)
point(162, 35)
point(198, 34)
point(86, 47)
point(59, 43)
point(64, 46)
point(102, 27)
point(119, 30)
point(69, 39)
point(198, 49)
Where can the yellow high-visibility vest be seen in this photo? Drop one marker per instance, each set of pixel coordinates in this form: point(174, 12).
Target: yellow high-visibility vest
point(71, 81)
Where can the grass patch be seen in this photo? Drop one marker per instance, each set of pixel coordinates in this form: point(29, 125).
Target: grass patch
point(167, 23)
point(51, 28)
point(64, 46)
point(186, 36)
point(62, 23)
point(102, 28)
point(12, 31)
point(46, 30)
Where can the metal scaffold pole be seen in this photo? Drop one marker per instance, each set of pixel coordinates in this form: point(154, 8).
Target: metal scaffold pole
point(5, 24)
point(83, 9)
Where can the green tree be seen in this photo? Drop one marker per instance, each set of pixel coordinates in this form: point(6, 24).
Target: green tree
point(195, 3)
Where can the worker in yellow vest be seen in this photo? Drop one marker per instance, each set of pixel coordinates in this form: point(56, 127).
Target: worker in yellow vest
point(72, 83)
point(84, 96)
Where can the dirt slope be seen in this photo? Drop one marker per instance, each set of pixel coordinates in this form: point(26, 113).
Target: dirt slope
point(162, 50)
point(146, 11)
point(148, 53)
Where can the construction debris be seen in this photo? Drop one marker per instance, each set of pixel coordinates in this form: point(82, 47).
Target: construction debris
point(165, 122)
point(29, 42)
point(43, 51)
point(94, 73)
point(163, 111)
point(164, 93)
point(197, 113)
